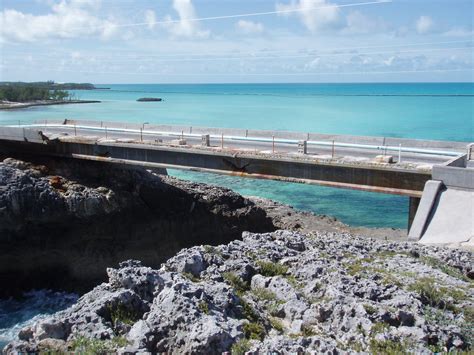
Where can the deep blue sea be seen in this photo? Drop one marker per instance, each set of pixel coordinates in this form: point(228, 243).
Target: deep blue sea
point(425, 111)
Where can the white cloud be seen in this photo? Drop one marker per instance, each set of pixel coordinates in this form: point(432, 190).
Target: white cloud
point(458, 32)
point(424, 24)
point(313, 19)
point(185, 28)
point(67, 19)
point(150, 19)
point(358, 23)
point(249, 27)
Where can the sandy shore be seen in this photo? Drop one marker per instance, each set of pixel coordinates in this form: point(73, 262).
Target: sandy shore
point(7, 105)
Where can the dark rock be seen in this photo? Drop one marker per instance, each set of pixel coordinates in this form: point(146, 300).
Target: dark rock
point(149, 99)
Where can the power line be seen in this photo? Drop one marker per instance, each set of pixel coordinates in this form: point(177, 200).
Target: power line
point(212, 18)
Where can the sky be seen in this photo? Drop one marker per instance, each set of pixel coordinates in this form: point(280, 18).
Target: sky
point(237, 41)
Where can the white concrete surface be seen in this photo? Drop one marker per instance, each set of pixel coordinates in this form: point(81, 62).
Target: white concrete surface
point(452, 219)
point(428, 199)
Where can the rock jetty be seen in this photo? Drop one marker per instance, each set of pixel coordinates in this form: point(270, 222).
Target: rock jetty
point(8, 105)
point(281, 292)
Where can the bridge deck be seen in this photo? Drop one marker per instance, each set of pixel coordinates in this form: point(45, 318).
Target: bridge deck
point(350, 167)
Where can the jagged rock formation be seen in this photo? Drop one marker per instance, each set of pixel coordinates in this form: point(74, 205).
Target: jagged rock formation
point(280, 291)
point(62, 223)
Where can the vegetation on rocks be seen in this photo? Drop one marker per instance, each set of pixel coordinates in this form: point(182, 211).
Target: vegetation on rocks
point(328, 293)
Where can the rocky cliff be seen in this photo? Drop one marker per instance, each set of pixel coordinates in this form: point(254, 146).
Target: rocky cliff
point(62, 223)
point(280, 291)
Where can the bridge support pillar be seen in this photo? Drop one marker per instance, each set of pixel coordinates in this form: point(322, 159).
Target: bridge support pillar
point(413, 203)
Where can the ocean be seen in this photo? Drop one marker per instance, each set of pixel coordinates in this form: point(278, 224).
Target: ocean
point(440, 111)
point(425, 111)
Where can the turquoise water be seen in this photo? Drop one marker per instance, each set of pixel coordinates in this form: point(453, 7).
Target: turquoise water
point(425, 111)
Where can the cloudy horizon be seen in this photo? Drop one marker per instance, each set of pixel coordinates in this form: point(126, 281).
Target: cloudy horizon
point(192, 41)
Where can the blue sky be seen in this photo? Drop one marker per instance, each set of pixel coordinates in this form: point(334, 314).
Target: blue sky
point(174, 41)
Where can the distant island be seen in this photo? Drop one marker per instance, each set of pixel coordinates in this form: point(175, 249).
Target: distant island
point(149, 99)
point(14, 95)
point(51, 85)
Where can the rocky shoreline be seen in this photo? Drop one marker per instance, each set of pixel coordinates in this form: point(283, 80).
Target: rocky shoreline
point(217, 272)
point(7, 105)
point(280, 291)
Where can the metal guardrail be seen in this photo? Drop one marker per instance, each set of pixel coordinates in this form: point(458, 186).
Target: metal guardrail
point(272, 140)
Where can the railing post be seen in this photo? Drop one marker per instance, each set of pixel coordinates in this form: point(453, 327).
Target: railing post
point(141, 134)
point(303, 147)
point(399, 153)
point(105, 132)
point(273, 144)
point(469, 151)
point(75, 131)
point(222, 140)
point(205, 141)
point(333, 148)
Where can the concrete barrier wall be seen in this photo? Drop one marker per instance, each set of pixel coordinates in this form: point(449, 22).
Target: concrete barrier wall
point(382, 141)
point(454, 177)
point(20, 134)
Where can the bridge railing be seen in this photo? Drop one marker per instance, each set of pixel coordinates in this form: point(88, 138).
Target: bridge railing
point(380, 144)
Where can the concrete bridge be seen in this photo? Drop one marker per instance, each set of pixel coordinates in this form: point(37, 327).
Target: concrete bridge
point(379, 164)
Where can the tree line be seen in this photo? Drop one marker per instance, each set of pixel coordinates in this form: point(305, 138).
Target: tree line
point(25, 93)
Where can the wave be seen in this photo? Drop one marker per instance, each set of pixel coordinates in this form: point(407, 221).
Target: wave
point(33, 306)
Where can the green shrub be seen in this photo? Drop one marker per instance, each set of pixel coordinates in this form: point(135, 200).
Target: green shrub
point(253, 330)
point(268, 268)
point(442, 266)
point(120, 313)
point(379, 327)
point(248, 312)
point(204, 307)
point(236, 282)
point(191, 277)
point(276, 324)
point(370, 309)
point(387, 347)
point(264, 294)
point(436, 296)
point(240, 347)
point(307, 330)
point(85, 345)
